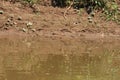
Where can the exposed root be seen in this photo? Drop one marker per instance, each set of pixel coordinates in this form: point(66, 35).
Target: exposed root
point(65, 12)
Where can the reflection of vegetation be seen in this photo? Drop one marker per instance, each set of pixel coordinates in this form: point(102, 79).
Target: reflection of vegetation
point(77, 67)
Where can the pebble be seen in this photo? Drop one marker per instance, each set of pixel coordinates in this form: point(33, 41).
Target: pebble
point(24, 30)
point(92, 14)
point(90, 20)
point(19, 18)
point(6, 23)
point(34, 30)
point(29, 24)
point(89, 17)
point(8, 20)
point(14, 23)
point(1, 12)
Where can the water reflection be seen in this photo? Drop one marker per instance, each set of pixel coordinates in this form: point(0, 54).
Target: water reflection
point(68, 60)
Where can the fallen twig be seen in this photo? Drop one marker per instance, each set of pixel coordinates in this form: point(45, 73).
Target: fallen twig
point(65, 12)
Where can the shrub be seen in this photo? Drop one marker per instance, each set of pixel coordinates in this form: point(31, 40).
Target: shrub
point(108, 7)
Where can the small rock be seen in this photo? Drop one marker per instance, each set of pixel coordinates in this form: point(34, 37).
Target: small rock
point(29, 24)
point(90, 20)
point(1, 12)
point(89, 17)
point(6, 28)
point(75, 23)
point(11, 24)
point(34, 30)
point(24, 30)
point(19, 18)
point(6, 23)
point(8, 20)
point(14, 23)
point(92, 14)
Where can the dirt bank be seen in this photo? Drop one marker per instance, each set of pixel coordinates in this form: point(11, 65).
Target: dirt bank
point(18, 20)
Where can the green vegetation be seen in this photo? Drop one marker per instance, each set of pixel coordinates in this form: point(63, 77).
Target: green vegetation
point(108, 7)
point(27, 2)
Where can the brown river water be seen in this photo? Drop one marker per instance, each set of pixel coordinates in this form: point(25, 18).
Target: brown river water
point(51, 59)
